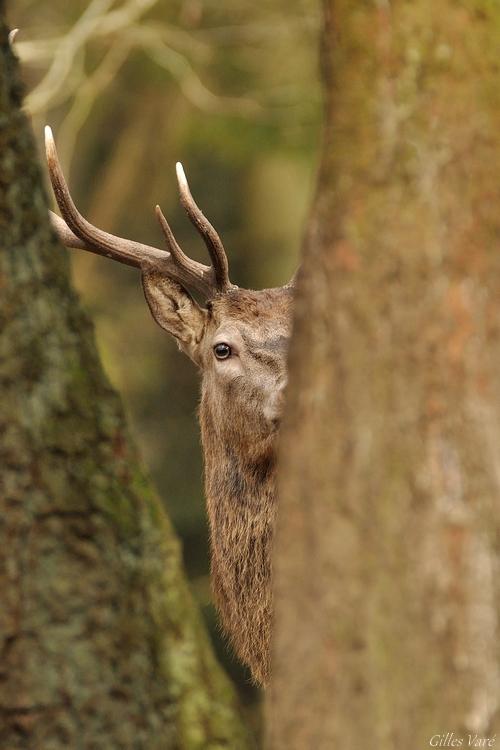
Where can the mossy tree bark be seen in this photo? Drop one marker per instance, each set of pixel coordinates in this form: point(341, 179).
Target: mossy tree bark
point(388, 539)
point(100, 643)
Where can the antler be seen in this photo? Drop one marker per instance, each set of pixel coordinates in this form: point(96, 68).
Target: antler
point(210, 236)
point(75, 231)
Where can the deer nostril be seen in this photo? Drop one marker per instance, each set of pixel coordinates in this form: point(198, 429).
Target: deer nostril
point(275, 423)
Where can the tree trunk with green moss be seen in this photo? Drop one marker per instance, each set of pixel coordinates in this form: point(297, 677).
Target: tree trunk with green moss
point(100, 643)
point(388, 536)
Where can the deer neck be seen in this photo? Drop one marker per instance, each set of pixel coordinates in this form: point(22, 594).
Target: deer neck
point(239, 468)
point(241, 505)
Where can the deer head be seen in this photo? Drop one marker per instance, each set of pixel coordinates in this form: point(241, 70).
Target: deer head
point(238, 339)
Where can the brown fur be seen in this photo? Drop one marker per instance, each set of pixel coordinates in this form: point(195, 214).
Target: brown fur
point(240, 408)
point(239, 447)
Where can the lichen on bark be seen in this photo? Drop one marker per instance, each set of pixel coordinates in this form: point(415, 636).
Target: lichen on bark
point(101, 645)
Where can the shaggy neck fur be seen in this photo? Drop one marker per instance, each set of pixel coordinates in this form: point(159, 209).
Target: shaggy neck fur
point(241, 503)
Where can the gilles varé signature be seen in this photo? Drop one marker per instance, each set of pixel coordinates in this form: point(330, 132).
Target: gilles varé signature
point(450, 739)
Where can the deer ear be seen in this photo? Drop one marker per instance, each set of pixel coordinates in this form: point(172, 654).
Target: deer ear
point(175, 310)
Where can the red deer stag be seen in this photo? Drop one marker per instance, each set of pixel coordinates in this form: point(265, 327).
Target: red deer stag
point(239, 341)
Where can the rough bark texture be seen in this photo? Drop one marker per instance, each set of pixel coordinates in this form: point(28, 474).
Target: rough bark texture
point(387, 580)
point(100, 643)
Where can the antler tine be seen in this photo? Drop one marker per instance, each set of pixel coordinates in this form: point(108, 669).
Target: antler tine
point(207, 231)
point(75, 231)
point(181, 259)
point(102, 243)
point(65, 234)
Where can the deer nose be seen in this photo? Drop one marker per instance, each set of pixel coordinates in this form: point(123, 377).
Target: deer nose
point(282, 384)
point(274, 407)
point(279, 400)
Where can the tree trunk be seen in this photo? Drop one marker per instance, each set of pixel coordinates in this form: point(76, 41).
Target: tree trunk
point(387, 586)
point(100, 643)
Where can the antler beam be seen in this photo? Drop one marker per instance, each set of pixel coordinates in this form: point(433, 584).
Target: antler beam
point(75, 231)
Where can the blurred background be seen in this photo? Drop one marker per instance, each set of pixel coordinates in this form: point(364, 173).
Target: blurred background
point(231, 89)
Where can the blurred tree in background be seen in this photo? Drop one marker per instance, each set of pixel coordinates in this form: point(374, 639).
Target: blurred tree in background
point(130, 87)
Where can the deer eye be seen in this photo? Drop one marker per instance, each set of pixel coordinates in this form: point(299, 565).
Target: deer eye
point(222, 351)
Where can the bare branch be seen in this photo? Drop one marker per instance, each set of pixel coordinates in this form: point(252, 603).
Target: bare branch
point(158, 41)
point(65, 54)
